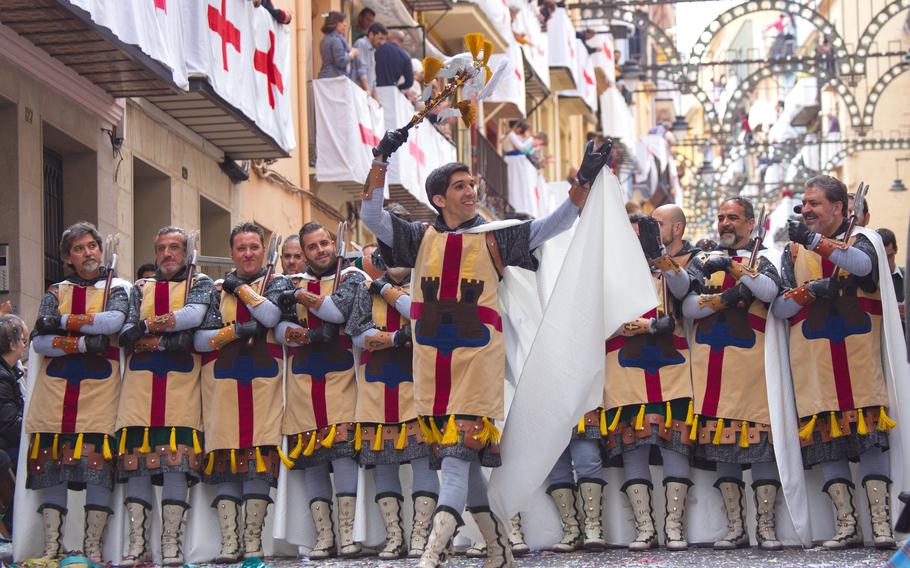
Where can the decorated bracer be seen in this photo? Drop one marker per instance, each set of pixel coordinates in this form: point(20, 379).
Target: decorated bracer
point(321, 386)
point(647, 384)
point(835, 357)
point(728, 368)
point(69, 422)
point(159, 418)
point(242, 387)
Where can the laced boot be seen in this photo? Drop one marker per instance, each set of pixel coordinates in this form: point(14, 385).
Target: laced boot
point(346, 545)
point(563, 496)
point(499, 553)
point(324, 547)
point(255, 508)
point(139, 515)
point(639, 493)
point(228, 509)
point(445, 522)
point(476, 550)
point(676, 490)
point(765, 527)
point(591, 491)
point(847, 533)
point(390, 507)
point(95, 522)
point(424, 505)
point(517, 537)
point(54, 518)
point(732, 492)
point(879, 496)
point(173, 523)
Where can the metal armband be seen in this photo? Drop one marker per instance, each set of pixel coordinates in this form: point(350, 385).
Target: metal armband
point(379, 340)
point(801, 295)
point(375, 179)
point(738, 270)
point(712, 301)
point(641, 326)
point(391, 294)
point(74, 322)
point(827, 246)
point(248, 296)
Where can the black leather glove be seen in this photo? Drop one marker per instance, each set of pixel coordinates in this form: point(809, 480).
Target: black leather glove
point(96, 343)
point(376, 287)
point(129, 337)
point(649, 237)
point(49, 325)
point(248, 329)
point(403, 336)
point(593, 161)
point(824, 288)
point(287, 298)
point(391, 141)
point(323, 334)
point(716, 263)
point(799, 232)
point(664, 325)
point(180, 341)
point(738, 296)
point(231, 283)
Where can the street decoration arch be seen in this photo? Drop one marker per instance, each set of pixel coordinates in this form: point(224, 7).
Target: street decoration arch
point(865, 145)
point(874, 26)
point(878, 89)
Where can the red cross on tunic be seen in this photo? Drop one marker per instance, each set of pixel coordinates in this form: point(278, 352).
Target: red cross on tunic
point(264, 62)
point(414, 150)
point(245, 405)
point(161, 5)
point(229, 34)
point(162, 303)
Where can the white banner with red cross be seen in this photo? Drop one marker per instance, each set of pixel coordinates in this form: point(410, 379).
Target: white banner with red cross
point(532, 39)
point(584, 73)
point(349, 124)
point(511, 88)
point(561, 34)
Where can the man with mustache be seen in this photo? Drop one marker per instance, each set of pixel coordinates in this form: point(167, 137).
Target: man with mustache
point(159, 420)
point(69, 415)
point(833, 300)
point(318, 322)
point(458, 344)
point(729, 309)
point(241, 395)
point(292, 261)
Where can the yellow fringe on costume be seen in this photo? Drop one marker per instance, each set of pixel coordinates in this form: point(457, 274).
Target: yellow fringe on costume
point(805, 433)
point(861, 428)
point(54, 446)
point(744, 435)
point(197, 447)
point(35, 445)
point(260, 463)
point(451, 436)
point(377, 441)
point(233, 461)
point(311, 445)
point(329, 440)
point(122, 449)
point(884, 423)
point(145, 448)
point(689, 414)
point(210, 464)
point(77, 453)
point(489, 434)
point(173, 439)
point(615, 422)
point(358, 438)
point(835, 426)
point(284, 459)
point(437, 435)
point(719, 433)
point(581, 425)
point(106, 449)
point(402, 438)
point(425, 430)
point(603, 422)
point(693, 431)
point(640, 419)
point(298, 447)
point(669, 421)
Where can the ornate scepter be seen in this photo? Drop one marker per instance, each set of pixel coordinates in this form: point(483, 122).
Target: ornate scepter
point(109, 260)
point(340, 250)
point(759, 238)
point(192, 254)
point(274, 244)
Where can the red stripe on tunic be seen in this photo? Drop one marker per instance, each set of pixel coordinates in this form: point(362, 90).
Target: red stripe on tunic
point(448, 290)
point(489, 316)
point(317, 396)
point(757, 323)
point(615, 343)
point(801, 315)
point(392, 324)
point(652, 386)
point(712, 387)
point(162, 298)
point(162, 303)
point(71, 394)
point(841, 369)
point(312, 319)
point(245, 414)
point(443, 383)
point(870, 306)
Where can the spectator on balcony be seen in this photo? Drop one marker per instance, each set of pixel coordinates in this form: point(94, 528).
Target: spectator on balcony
point(363, 67)
point(336, 55)
point(365, 19)
point(519, 140)
point(393, 64)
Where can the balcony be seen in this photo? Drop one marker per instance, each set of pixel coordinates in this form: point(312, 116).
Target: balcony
point(450, 27)
point(561, 52)
point(492, 177)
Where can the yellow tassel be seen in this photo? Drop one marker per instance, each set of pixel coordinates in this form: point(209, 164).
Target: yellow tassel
point(884, 423)
point(805, 433)
point(744, 435)
point(106, 450)
point(210, 465)
point(603, 422)
point(233, 461)
point(487, 74)
point(77, 453)
point(487, 52)
point(144, 448)
point(260, 463)
point(495, 436)
point(358, 438)
point(173, 439)
point(489, 434)
point(54, 446)
point(330, 439)
point(402, 438)
point(284, 459)
point(581, 425)
point(669, 421)
point(689, 414)
point(474, 43)
point(425, 430)
point(35, 445)
point(431, 67)
point(451, 436)
point(835, 426)
point(437, 435)
point(197, 447)
point(861, 422)
point(719, 433)
point(615, 422)
point(468, 112)
point(377, 441)
point(298, 447)
point(640, 419)
point(311, 445)
point(693, 430)
point(122, 449)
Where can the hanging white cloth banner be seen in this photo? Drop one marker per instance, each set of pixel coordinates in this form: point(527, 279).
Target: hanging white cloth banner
point(511, 89)
point(344, 140)
point(552, 195)
point(561, 34)
point(533, 41)
point(524, 191)
point(616, 117)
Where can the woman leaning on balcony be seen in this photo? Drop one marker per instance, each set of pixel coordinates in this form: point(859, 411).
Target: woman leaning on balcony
point(334, 49)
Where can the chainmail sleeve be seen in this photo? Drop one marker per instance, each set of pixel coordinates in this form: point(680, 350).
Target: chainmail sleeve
point(406, 237)
point(515, 246)
point(353, 300)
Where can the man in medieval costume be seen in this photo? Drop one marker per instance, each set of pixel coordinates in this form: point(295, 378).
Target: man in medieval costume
point(69, 419)
point(159, 420)
point(391, 432)
point(330, 305)
point(459, 355)
point(242, 370)
point(647, 386)
point(734, 286)
point(834, 303)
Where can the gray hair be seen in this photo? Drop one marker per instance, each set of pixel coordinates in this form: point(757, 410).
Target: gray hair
point(12, 328)
point(172, 229)
point(77, 231)
point(834, 189)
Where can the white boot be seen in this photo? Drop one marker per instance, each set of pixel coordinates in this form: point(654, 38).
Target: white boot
point(95, 522)
point(517, 537)
point(390, 508)
point(173, 522)
point(847, 533)
point(591, 495)
point(878, 494)
point(255, 508)
point(346, 545)
point(639, 493)
point(499, 553)
point(445, 522)
point(324, 547)
point(735, 508)
point(765, 529)
point(54, 520)
point(229, 522)
point(424, 505)
point(674, 522)
point(139, 516)
point(564, 498)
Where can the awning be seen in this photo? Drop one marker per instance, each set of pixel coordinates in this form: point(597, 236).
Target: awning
point(561, 51)
point(425, 5)
point(450, 27)
point(535, 85)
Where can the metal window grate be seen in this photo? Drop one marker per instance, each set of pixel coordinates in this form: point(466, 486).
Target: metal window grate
point(53, 216)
